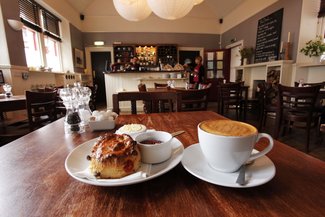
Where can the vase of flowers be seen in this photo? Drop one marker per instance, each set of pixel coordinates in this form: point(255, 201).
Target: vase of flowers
point(246, 54)
point(314, 49)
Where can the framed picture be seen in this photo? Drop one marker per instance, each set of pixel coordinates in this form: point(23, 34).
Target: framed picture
point(78, 58)
point(2, 79)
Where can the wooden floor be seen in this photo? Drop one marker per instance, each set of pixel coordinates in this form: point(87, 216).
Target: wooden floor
point(296, 138)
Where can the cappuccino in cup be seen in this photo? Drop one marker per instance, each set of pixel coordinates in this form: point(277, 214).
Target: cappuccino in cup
point(228, 144)
point(228, 128)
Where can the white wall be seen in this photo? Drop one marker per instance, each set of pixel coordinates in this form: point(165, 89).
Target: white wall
point(4, 57)
point(308, 31)
point(244, 11)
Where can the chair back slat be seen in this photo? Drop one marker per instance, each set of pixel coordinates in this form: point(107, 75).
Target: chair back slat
point(173, 97)
point(194, 100)
point(298, 99)
point(160, 85)
point(230, 95)
point(41, 108)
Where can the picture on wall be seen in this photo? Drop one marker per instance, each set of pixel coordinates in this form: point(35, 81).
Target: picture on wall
point(2, 79)
point(78, 58)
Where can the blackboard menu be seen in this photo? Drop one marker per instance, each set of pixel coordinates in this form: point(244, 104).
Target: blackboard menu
point(268, 37)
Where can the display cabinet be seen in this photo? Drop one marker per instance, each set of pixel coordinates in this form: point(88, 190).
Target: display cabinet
point(167, 54)
point(147, 55)
point(123, 53)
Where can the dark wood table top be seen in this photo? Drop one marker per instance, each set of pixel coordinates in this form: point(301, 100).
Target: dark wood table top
point(17, 102)
point(33, 180)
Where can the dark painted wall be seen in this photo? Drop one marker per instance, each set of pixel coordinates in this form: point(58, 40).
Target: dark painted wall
point(10, 10)
point(291, 23)
point(76, 41)
point(208, 41)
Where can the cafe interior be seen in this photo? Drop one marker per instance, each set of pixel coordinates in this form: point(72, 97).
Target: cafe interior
point(162, 108)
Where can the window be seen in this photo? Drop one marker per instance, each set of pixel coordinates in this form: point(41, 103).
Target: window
point(41, 35)
point(32, 46)
point(52, 48)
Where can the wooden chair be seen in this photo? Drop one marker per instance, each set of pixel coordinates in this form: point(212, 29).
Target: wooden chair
point(146, 104)
point(159, 85)
point(322, 84)
point(297, 105)
point(230, 97)
point(93, 97)
point(194, 100)
point(267, 99)
point(162, 104)
point(133, 97)
point(41, 108)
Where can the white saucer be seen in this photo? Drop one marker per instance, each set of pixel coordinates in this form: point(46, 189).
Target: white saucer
point(77, 161)
point(259, 173)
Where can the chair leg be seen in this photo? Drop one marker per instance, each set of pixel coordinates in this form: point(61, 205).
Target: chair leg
point(308, 125)
point(262, 120)
point(307, 142)
point(237, 113)
point(284, 128)
point(278, 121)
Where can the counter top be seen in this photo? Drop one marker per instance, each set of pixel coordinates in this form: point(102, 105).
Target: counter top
point(135, 72)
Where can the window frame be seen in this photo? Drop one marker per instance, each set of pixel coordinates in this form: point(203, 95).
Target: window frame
point(38, 19)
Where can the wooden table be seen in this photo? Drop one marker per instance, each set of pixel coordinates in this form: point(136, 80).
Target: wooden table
point(12, 103)
point(33, 180)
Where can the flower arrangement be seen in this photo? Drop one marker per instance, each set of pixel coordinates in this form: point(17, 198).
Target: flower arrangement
point(246, 52)
point(314, 48)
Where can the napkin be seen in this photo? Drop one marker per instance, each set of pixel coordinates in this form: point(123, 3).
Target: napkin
point(142, 173)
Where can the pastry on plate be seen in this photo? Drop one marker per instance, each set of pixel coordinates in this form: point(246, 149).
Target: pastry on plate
point(114, 156)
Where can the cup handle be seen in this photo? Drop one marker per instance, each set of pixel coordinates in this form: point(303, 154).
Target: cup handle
point(266, 150)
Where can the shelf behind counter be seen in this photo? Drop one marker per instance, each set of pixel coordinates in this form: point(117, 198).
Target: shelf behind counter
point(128, 81)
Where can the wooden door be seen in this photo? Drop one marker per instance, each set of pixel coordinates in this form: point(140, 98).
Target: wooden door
point(99, 62)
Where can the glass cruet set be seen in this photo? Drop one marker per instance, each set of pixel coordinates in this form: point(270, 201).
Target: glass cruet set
point(76, 101)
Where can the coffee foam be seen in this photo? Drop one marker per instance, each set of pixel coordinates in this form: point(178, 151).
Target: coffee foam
point(227, 128)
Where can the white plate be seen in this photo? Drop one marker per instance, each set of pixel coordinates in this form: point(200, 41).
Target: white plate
point(258, 173)
point(76, 161)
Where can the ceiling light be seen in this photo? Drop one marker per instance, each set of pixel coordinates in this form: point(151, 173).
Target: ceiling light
point(132, 10)
point(197, 2)
point(99, 43)
point(171, 9)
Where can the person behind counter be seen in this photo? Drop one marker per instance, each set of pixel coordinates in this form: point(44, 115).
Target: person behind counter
point(197, 76)
point(133, 65)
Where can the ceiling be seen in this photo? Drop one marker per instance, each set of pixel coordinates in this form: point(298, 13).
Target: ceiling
point(215, 9)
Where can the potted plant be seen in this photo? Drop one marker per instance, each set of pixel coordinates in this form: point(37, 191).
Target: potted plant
point(314, 48)
point(246, 54)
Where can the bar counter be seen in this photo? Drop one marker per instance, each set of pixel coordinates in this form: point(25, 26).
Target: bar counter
point(128, 81)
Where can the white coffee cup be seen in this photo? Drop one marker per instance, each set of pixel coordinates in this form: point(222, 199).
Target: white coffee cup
point(227, 152)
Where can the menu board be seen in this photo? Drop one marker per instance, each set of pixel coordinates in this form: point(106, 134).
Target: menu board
point(268, 37)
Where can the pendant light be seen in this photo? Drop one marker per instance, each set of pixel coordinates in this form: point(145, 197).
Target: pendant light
point(197, 2)
point(132, 10)
point(171, 9)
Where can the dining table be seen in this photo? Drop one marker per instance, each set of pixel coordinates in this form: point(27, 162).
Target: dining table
point(12, 103)
point(34, 180)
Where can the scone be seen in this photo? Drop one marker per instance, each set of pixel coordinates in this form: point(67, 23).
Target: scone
point(114, 156)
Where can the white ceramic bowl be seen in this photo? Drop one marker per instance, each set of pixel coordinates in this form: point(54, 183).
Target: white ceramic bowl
point(155, 153)
point(102, 125)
